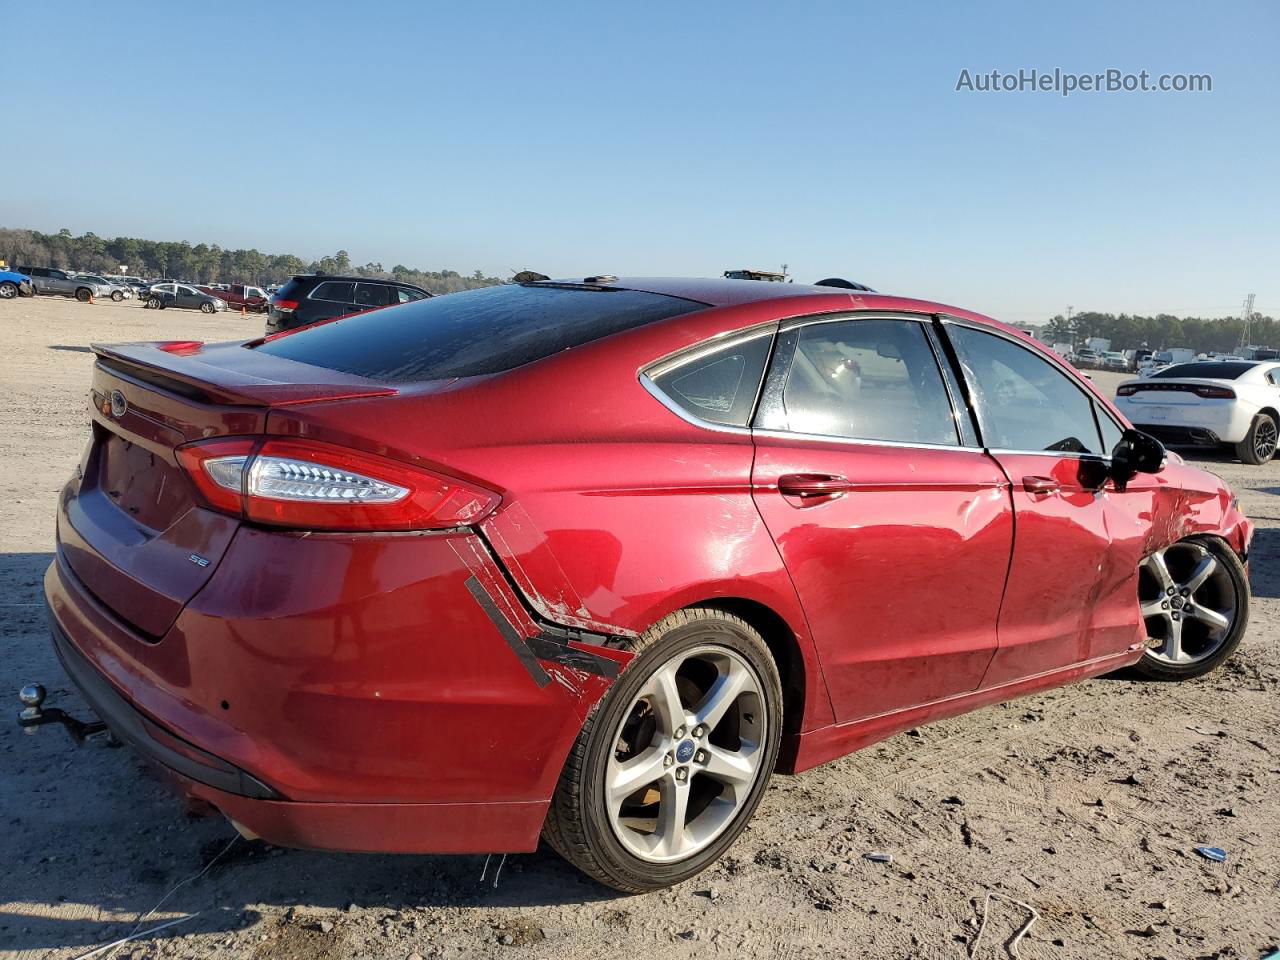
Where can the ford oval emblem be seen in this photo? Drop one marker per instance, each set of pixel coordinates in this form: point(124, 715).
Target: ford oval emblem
point(119, 405)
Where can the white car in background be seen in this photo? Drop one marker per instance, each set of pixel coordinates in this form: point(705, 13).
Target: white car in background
point(1209, 403)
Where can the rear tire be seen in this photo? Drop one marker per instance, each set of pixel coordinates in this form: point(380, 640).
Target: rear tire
point(701, 781)
point(1259, 444)
point(8, 290)
point(84, 295)
point(1198, 625)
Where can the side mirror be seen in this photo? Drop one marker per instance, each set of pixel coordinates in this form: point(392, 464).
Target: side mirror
point(1136, 453)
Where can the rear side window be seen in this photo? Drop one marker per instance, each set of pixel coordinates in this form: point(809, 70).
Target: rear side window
point(720, 387)
point(866, 380)
point(335, 291)
point(405, 295)
point(373, 295)
point(473, 333)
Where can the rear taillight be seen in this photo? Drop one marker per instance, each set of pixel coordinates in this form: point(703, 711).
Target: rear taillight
point(215, 467)
point(1127, 390)
point(318, 486)
point(285, 305)
point(1216, 393)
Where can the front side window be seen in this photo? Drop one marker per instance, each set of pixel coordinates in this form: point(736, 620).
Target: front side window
point(1024, 402)
point(866, 380)
point(1111, 432)
point(719, 387)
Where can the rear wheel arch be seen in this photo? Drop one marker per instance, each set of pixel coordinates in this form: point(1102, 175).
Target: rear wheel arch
point(783, 644)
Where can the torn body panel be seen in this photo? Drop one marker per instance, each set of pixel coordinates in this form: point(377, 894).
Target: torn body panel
point(353, 669)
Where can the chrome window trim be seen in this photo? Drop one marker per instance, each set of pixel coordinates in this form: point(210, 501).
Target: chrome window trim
point(686, 355)
point(1056, 454)
point(865, 442)
point(813, 319)
point(684, 415)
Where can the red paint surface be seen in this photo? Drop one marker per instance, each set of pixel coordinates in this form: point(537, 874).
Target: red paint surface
point(366, 684)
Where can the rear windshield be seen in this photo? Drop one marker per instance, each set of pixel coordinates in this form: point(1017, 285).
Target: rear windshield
point(473, 333)
point(1211, 369)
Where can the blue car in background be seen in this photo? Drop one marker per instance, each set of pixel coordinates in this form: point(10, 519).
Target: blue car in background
point(15, 285)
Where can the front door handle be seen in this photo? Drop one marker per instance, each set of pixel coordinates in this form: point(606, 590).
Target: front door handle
point(1040, 486)
point(812, 486)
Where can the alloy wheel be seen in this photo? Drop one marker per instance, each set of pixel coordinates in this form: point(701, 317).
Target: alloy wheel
point(1188, 603)
point(1265, 438)
point(686, 754)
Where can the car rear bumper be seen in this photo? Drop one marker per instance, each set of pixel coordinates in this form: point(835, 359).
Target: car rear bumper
point(1196, 424)
point(370, 698)
point(1178, 436)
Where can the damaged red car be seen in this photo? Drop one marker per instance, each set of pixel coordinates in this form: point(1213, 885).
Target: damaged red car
point(591, 560)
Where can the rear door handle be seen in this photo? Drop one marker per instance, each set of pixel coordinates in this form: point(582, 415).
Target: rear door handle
point(1042, 486)
point(812, 485)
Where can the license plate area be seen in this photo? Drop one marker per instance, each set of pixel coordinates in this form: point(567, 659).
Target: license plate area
point(141, 483)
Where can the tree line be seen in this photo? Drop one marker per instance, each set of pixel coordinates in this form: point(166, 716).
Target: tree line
point(203, 262)
point(1162, 331)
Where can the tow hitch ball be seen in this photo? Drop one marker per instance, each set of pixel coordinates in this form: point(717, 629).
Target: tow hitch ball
point(35, 714)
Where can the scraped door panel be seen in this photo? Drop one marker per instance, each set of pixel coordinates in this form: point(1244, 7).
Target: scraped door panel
point(901, 575)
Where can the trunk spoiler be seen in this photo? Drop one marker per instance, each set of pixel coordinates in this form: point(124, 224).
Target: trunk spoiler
point(231, 374)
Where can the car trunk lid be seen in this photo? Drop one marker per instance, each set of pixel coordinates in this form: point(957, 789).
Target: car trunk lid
point(132, 528)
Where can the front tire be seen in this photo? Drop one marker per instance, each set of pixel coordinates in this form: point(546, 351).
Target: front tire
point(84, 295)
point(117, 296)
point(1194, 597)
point(8, 290)
point(671, 764)
point(153, 303)
point(1259, 444)
point(207, 307)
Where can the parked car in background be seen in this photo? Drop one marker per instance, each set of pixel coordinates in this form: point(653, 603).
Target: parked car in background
point(239, 295)
point(658, 540)
point(50, 281)
point(1114, 360)
point(15, 284)
point(118, 291)
point(1209, 403)
point(1087, 359)
point(308, 298)
point(162, 295)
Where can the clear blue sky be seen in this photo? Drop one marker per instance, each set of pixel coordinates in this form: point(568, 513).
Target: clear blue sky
point(670, 138)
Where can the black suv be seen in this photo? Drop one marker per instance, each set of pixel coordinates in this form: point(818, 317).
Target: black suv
point(311, 297)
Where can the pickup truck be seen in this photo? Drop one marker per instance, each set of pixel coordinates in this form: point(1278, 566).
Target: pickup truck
point(239, 295)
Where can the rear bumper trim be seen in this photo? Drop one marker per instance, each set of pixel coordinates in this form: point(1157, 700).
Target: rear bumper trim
point(1181, 436)
point(148, 737)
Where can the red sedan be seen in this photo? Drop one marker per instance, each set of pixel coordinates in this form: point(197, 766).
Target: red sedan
point(590, 560)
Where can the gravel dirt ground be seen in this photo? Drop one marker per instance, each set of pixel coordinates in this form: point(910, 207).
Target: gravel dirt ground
point(1085, 803)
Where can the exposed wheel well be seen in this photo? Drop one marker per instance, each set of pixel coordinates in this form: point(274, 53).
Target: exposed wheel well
point(1271, 412)
point(781, 642)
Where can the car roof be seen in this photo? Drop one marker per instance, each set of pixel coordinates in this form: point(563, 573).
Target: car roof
point(801, 297)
